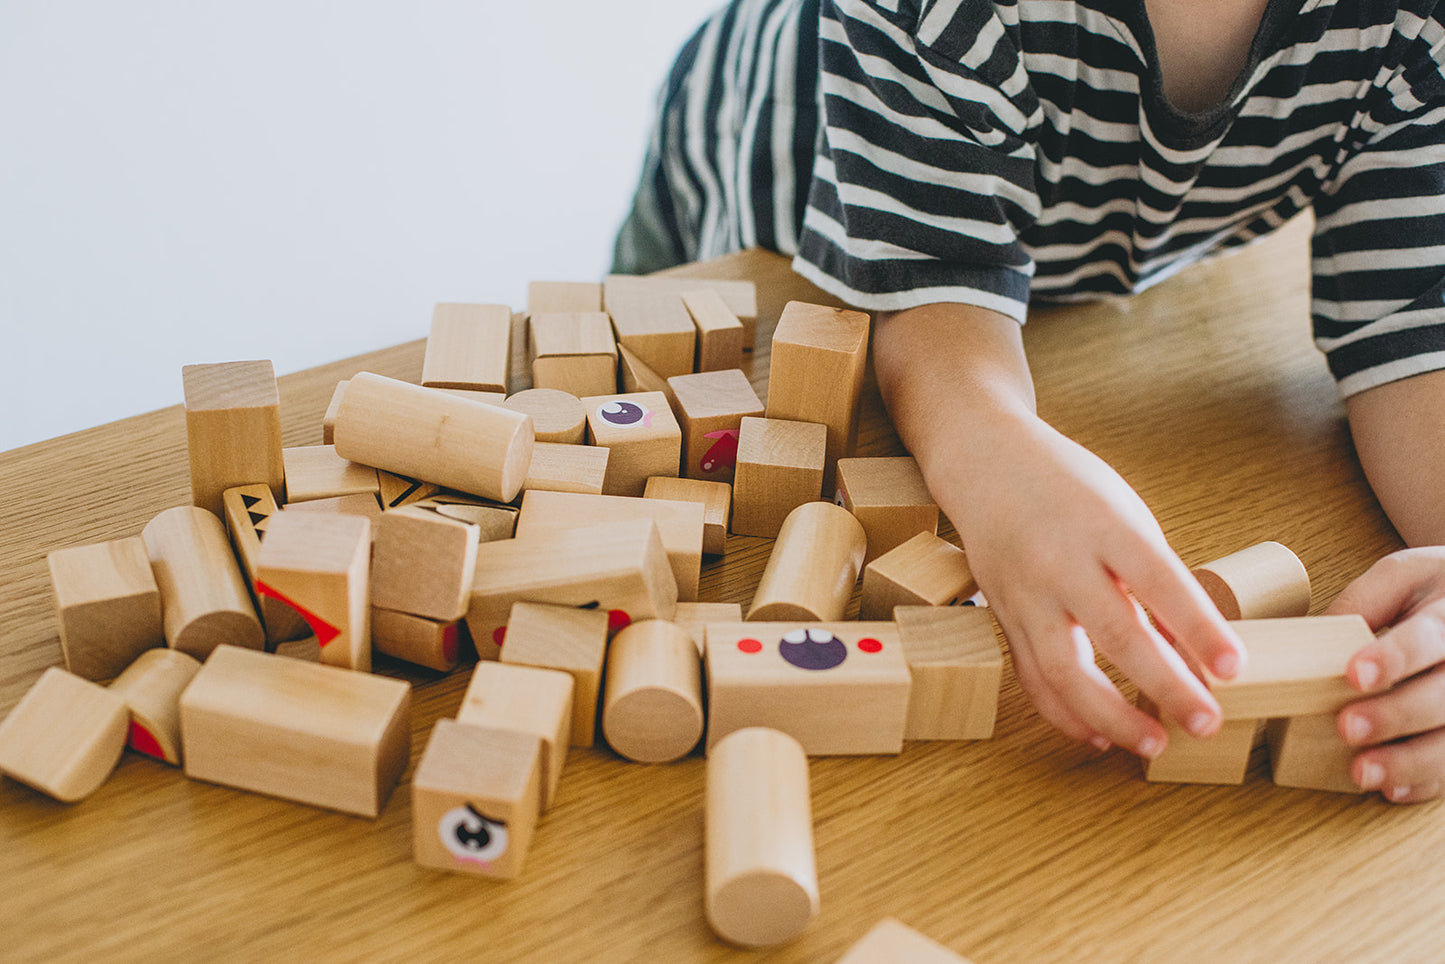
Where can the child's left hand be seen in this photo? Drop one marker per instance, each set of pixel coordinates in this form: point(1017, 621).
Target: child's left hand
point(1404, 729)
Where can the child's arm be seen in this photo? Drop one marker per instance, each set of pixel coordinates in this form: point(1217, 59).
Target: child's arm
point(1059, 543)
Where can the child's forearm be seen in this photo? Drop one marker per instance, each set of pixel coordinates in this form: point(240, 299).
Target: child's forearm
point(1398, 430)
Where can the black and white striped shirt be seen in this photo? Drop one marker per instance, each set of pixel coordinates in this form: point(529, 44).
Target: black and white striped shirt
point(988, 153)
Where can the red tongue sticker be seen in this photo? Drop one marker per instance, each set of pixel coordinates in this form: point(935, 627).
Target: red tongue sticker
point(617, 619)
point(449, 643)
point(499, 635)
point(143, 741)
point(325, 632)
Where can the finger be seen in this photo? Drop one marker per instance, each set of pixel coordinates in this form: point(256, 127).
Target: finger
point(1390, 588)
point(1406, 771)
point(1411, 647)
point(1036, 687)
point(1416, 706)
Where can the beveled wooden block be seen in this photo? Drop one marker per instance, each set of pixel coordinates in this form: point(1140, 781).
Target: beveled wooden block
point(233, 429)
point(317, 472)
point(563, 638)
point(557, 416)
point(889, 497)
point(956, 662)
point(924, 571)
point(204, 599)
point(1307, 752)
point(641, 434)
point(651, 321)
point(423, 563)
point(526, 699)
point(720, 334)
point(568, 468)
point(716, 499)
point(813, 566)
point(151, 688)
point(108, 604)
point(710, 409)
point(693, 618)
point(432, 643)
point(554, 296)
point(64, 737)
point(573, 352)
point(779, 467)
point(652, 708)
point(893, 942)
point(1295, 667)
point(318, 564)
point(470, 347)
point(1265, 581)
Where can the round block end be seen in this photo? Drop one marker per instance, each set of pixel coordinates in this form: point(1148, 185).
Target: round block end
point(761, 908)
point(653, 725)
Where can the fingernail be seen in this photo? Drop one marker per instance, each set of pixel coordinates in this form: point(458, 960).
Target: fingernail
point(1099, 743)
point(1150, 747)
point(1357, 728)
point(1226, 665)
point(1398, 793)
point(1367, 673)
point(1199, 724)
point(1371, 776)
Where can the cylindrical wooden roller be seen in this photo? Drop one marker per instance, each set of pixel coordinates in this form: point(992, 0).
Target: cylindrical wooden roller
point(1266, 581)
point(815, 562)
point(151, 688)
point(652, 710)
point(423, 433)
point(204, 599)
point(762, 882)
point(557, 416)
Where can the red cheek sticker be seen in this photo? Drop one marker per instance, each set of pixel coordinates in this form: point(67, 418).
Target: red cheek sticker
point(750, 645)
point(870, 645)
point(617, 620)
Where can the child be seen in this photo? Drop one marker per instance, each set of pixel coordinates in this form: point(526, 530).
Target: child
point(943, 164)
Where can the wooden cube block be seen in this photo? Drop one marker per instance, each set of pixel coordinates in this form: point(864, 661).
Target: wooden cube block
point(64, 737)
point(813, 566)
point(318, 564)
point(1265, 581)
point(889, 497)
point(716, 499)
point(568, 468)
point(741, 297)
point(423, 563)
point(710, 409)
point(433, 643)
point(892, 942)
point(719, 332)
point(108, 603)
point(652, 708)
point(837, 688)
point(151, 688)
point(642, 435)
point(300, 731)
point(693, 618)
point(779, 467)
point(568, 639)
point(204, 599)
point(1295, 667)
point(317, 472)
point(470, 347)
point(573, 352)
point(328, 421)
point(549, 296)
point(956, 662)
point(924, 571)
point(474, 800)
point(634, 376)
point(651, 321)
point(1221, 759)
point(233, 429)
point(1307, 752)
point(526, 699)
point(557, 416)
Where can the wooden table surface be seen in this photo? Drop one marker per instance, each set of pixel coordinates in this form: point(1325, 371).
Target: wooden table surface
point(1206, 394)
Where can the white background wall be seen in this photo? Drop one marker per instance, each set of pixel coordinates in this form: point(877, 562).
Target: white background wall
point(189, 181)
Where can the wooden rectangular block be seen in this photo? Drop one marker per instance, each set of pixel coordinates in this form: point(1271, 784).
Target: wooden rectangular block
point(574, 352)
point(64, 737)
point(741, 297)
point(719, 332)
point(300, 731)
point(837, 688)
point(710, 408)
point(470, 347)
point(549, 296)
point(525, 699)
point(493, 520)
point(317, 472)
point(716, 499)
point(634, 376)
point(642, 435)
point(328, 421)
point(889, 497)
point(151, 688)
point(433, 643)
point(474, 800)
point(361, 504)
point(651, 320)
point(893, 942)
point(1295, 667)
point(568, 468)
point(1221, 759)
point(693, 618)
point(423, 563)
point(780, 466)
point(108, 604)
point(956, 662)
point(924, 571)
point(233, 429)
point(568, 639)
point(1307, 752)
point(318, 564)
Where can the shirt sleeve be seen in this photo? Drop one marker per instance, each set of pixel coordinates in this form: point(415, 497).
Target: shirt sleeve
point(924, 175)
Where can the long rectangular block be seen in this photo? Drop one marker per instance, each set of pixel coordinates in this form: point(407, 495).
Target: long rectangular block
point(525, 699)
point(233, 429)
point(716, 499)
point(740, 297)
point(1221, 759)
point(317, 472)
point(1307, 752)
point(652, 321)
point(470, 347)
point(956, 662)
point(569, 640)
point(544, 296)
point(720, 333)
point(108, 603)
point(1296, 667)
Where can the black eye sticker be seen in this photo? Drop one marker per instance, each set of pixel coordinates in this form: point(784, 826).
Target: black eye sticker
point(471, 837)
point(625, 414)
point(812, 649)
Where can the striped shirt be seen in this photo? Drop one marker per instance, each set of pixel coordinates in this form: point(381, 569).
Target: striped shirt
point(992, 153)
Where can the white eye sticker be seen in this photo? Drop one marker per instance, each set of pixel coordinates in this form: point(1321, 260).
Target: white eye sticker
point(471, 837)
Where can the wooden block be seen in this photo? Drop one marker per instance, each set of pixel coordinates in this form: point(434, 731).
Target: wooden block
point(233, 429)
point(317, 472)
point(568, 468)
point(956, 663)
point(573, 352)
point(361, 504)
point(1265, 581)
point(425, 434)
point(813, 567)
point(1295, 667)
point(307, 649)
point(524, 699)
point(642, 435)
point(716, 499)
point(719, 332)
point(892, 942)
point(151, 689)
point(741, 297)
point(474, 800)
point(423, 563)
point(493, 520)
point(432, 643)
point(557, 416)
point(693, 617)
point(64, 737)
point(779, 467)
point(472, 395)
point(248, 512)
point(563, 638)
point(652, 711)
point(924, 571)
point(470, 347)
point(1221, 759)
point(204, 599)
point(552, 296)
point(317, 563)
point(761, 876)
point(710, 408)
point(680, 524)
point(837, 688)
point(328, 421)
point(300, 731)
point(652, 322)
point(889, 497)
point(1307, 752)
point(399, 490)
point(816, 373)
point(634, 376)
point(108, 604)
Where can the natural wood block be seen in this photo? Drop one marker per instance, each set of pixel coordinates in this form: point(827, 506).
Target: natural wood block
point(233, 429)
point(761, 877)
point(557, 416)
point(719, 332)
point(524, 699)
point(249, 509)
point(813, 566)
point(956, 663)
point(399, 490)
point(716, 499)
point(318, 563)
point(710, 408)
point(1307, 752)
point(837, 688)
point(493, 520)
point(554, 296)
point(573, 352)
point(474, 800)
point(151, 688)
point(652, 710)
point(893, 942)
point(641, 434)
point(1295, 667)
point(432, 643)
point(472, 395)
point(889, 497)
point(1265, 581)
point(924, 571)
point(423, 563)
point(317, 472)
point(567, 468)
point(427, 434)
point(652, 322)
point(307, 649)
point(328, 421)
point(568, 639)
point(108, 604)
point(634, 376)
point(300, 731)
point(1221, 759)
point(741, 297)
point(693, 618)
point(779, 467)
point(361, 504)
point(470, 347)
point(204, 599)
point(64, 737)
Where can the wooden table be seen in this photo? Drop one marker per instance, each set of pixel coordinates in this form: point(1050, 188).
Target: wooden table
point(1205, 393)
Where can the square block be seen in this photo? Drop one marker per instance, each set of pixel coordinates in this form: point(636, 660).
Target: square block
point(526, 699)
point(642, 435)
point(470, 348)
point(233, 429)
point(573, 352)
point(710, 409)
point(780, 466)
point(568, 639)
point(1307, 752)
point(716, 499)
point(1221, 759)
point(837, 688)
point(893, 942)
point(423, 563)
point(954, 656)
point(651, 320)
point(64, 737)
point(720, 333)
point(554, 296)
point(433, 643)
point(317, 472)
point(318, 563)
point(693, 618)
point(557, 467)
point(108, 603)
point(888, 496)
point(1296, 667)
point(474, 800)
point(924, 571)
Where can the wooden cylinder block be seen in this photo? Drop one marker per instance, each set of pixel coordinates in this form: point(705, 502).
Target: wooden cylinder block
point(652, 711)
point(151, 688)
point(434, 436)
point(204, 599)
point(557, 416)
point(761, 878)
point(1266, 581)
point(815, 562)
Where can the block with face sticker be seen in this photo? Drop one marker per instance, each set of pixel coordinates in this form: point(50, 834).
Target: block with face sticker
point(643, 437)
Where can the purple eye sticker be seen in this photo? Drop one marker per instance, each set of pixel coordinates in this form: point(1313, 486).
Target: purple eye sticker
point(625, 414)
